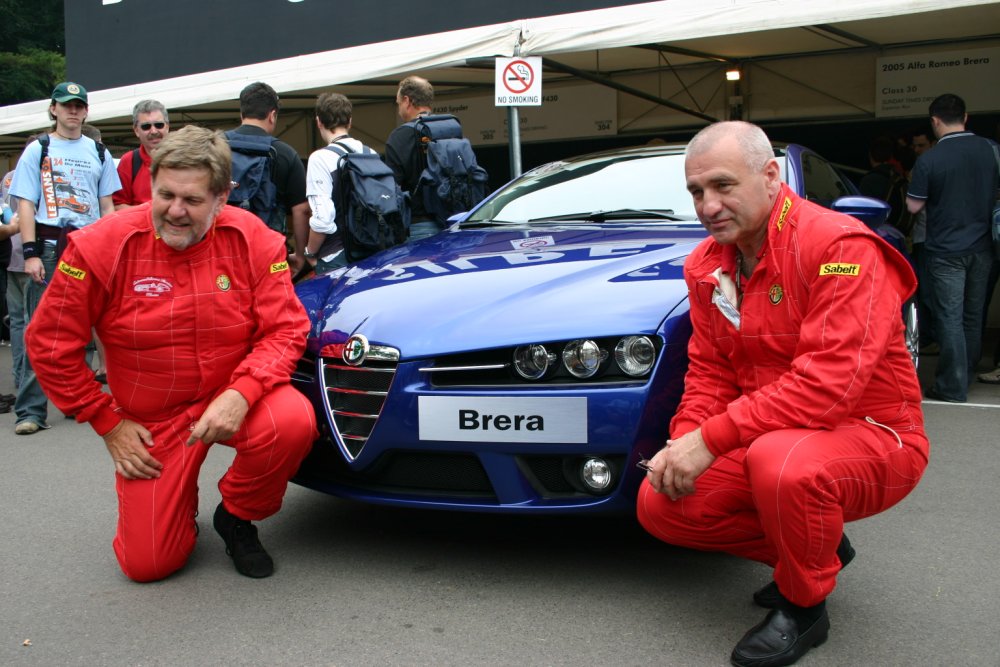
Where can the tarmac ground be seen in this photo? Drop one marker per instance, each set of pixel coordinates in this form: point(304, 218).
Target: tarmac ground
point(367, 585)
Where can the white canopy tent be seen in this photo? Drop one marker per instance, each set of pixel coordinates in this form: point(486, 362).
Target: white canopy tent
point(655, 23)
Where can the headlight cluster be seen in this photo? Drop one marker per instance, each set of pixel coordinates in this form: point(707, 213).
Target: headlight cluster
point(584, 358)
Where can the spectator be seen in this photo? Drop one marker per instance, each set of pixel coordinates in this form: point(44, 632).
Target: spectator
point(956, 182)
point(259, 106)
point(885, 181)
point(921, 141)
point(404, 152)
point(325, 248)
point(82, 179)
point(151, 124)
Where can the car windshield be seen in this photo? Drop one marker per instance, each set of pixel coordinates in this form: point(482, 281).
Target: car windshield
point(597, 188)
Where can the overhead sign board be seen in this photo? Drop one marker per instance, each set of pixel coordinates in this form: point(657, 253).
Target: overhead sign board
point(518, 82)
point(906, 85)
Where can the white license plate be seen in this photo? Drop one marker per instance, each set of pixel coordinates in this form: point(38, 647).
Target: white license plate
point(502, 419)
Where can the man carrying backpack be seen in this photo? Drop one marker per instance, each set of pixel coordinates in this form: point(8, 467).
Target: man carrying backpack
point(150, 124)
point(63, 182)
point(431, 160)
point(357, 208)
point(271, 181)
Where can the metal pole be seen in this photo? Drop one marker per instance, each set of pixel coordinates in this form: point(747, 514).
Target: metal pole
point(514, 135)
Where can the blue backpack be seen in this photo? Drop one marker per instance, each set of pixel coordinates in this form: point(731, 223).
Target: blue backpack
point(372, 212)
point(253, 178)
point(452, 181)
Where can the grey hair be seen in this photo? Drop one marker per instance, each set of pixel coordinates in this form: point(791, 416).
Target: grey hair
point(148, 106)
point(753, 142)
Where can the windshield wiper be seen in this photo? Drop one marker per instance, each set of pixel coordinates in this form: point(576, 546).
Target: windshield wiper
point(487, 222)
point(617, 214)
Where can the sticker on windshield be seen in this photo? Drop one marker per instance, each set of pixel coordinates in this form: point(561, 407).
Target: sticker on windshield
point(533, 242)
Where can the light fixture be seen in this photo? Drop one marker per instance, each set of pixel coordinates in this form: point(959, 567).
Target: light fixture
point(733, 74)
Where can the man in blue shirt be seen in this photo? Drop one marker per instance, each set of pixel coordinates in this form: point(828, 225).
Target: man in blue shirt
point(69, 188)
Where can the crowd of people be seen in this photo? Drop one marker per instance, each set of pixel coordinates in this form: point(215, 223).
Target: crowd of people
point(942, 201)
point(785, 432)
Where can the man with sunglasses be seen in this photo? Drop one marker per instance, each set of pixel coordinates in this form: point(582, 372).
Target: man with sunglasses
point(150, 124)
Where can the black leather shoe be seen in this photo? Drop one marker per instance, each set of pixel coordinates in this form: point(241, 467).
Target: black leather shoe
point(242, 544)
point(769, 597)
point(777, 640)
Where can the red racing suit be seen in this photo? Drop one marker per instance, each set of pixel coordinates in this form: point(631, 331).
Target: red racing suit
point(179, 328)
point(811, 405)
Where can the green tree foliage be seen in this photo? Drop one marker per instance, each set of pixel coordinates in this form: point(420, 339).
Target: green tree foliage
point(32, 49)
point(29, 76)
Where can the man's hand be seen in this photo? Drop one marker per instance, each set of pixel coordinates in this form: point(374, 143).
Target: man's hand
point(295, 262)
point(33, 267)
point(675, 467)
point(222, 419)
point(128, 444)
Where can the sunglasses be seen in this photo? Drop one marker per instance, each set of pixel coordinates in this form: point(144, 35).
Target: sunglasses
point(159, 125)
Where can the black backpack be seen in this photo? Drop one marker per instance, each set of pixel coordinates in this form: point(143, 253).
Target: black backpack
point(253, 187)
point(43, 141)
point(372, 212)
point(452, 181)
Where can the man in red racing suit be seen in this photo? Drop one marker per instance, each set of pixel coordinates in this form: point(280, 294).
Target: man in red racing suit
point(201, 328)
point(801, 407)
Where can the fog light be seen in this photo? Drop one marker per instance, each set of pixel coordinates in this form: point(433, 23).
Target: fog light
point(596, 474)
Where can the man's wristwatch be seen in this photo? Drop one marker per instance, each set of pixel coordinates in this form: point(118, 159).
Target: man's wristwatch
point(308, 255)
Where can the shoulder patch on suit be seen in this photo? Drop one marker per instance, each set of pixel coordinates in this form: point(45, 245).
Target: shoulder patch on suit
point(72, 271)
point(785, 207)
point(277, 267)
point(840, 269)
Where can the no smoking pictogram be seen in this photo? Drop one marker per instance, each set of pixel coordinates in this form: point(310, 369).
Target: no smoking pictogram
point(518, 77)
point(518, 81)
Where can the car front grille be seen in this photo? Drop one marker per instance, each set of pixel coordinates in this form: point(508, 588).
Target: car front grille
point(355, 396)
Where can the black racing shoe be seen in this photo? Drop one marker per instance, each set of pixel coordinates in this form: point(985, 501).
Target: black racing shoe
point(242, 544)
point(782, 638)
point(769, 597)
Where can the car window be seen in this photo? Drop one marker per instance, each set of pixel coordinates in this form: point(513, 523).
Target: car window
point(600, 183)
point(822, 183)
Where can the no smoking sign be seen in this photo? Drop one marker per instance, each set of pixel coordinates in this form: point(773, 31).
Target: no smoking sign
point(518, 82)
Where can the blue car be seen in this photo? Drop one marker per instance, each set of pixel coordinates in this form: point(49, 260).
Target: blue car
point(527, 357)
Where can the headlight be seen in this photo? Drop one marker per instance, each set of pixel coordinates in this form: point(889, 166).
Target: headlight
point(582, 358)
point(635, 355)
point(532, 361)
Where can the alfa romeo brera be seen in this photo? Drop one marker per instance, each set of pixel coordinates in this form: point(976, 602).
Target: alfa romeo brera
point(526, 358)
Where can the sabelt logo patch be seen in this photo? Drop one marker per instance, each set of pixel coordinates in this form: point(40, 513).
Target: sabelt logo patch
point(786, 206)
point(840, 269)
point(279, 266)
point(72, 271)
point(152, 286)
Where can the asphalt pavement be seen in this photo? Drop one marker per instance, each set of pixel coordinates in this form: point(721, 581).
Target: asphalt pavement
point(365, 585)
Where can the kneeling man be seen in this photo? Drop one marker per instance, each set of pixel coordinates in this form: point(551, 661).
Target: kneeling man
point(201, 327)
point(801, 406)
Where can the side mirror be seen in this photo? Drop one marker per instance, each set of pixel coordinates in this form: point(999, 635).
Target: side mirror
point(873, 212)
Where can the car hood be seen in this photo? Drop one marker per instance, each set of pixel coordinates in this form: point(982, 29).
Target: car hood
point(475, 289)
